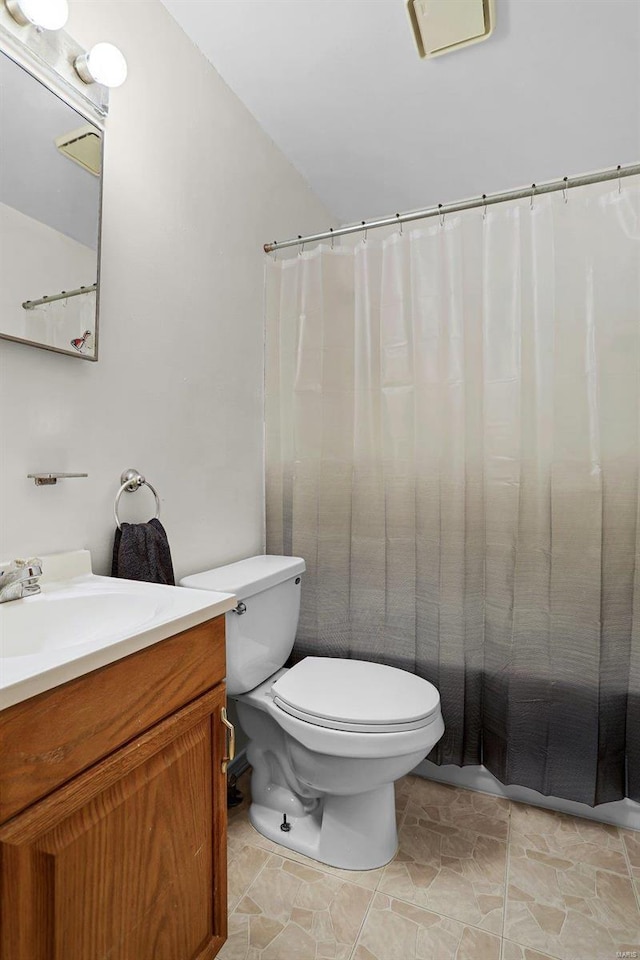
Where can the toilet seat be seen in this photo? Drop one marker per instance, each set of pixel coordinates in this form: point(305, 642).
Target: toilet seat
point(355, 695)
point(343, 743)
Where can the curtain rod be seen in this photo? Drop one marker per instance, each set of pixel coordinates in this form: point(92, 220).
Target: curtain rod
point(441, 209)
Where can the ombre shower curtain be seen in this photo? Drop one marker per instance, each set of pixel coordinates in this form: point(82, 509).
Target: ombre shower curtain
point(453, 445)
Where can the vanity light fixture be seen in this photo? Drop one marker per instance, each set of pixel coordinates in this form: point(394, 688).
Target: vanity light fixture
point(103, 64)
point(46, 14)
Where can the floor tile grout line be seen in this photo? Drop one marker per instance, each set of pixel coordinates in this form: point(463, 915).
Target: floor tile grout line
point(361, 927)
point(251, 882)
point(635, 886)
point(547, 956)
point(613, 873)
point(438, 913)
point(476, 833)
point(507, 864)
point(564, 856)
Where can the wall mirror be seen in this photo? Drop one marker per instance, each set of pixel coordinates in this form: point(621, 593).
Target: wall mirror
point(50, 195)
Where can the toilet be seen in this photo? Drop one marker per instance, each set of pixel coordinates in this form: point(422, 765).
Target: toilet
point(327, 737)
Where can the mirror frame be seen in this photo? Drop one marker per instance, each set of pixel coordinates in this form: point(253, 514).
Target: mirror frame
point(48, 58)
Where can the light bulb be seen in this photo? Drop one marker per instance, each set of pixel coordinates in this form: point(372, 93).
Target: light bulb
point(47, 14)
point(102, 64)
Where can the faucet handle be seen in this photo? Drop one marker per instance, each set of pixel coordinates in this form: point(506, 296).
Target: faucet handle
point(21, 569)
point(30, 588)
point(12, 570)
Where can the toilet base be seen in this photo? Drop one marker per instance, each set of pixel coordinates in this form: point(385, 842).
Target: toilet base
point(356, 832)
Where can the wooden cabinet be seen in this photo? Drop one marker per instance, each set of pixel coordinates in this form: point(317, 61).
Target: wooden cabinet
point(126, 860)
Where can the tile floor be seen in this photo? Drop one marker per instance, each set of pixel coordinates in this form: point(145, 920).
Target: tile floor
point(475, 878)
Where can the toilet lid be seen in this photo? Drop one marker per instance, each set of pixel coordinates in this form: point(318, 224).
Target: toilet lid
point(356, 695)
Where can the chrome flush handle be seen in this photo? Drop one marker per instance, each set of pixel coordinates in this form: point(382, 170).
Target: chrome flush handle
point(240, 609)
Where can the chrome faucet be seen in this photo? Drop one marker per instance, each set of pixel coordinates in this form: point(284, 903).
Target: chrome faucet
point(20, 579)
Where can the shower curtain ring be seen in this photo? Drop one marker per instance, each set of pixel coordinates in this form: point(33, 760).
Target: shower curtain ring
point(441, 215)
point(364, 235)
point(564, 189)
point(484, 209)
point(619, 179)
point(533, 193)
point(332, 236)
point(400, 222)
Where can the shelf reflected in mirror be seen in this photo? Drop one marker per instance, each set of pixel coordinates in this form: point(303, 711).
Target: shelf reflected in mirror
point(50, 203)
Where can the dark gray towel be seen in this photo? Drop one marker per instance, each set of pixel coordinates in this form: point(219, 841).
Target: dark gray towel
point(141, 552)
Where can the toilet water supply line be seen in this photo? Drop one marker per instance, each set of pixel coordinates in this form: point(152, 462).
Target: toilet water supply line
point(486, 200)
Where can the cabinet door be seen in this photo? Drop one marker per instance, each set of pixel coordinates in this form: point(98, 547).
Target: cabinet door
point(128, 860)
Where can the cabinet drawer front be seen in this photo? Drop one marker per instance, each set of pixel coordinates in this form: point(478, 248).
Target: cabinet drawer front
point(127, 861)
point(52, 737)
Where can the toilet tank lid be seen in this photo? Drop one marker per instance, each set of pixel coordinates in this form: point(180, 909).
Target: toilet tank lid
point(356, 692)
point(247, 577)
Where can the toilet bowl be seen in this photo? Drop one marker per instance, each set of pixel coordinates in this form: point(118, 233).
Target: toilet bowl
point(328, 737)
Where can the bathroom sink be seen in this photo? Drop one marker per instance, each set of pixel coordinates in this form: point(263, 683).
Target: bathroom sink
point(57, 620)
point(81, 621)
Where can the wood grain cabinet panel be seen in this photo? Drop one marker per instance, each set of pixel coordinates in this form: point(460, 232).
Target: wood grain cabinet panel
point(127, 861)
point(54, 736)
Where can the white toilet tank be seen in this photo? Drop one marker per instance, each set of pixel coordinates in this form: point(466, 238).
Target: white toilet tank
point(260, 638)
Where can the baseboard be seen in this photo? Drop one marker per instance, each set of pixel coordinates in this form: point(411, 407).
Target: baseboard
point(621, 813)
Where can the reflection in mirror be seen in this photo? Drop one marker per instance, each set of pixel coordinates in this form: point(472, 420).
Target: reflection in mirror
point(50, 179)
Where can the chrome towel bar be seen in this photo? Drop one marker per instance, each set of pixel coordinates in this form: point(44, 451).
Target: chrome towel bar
point(131, 481)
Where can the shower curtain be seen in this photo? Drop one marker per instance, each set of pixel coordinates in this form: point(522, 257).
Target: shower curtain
point(453, 446)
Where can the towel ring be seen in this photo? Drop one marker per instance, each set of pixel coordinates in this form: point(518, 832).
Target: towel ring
point(131, 481)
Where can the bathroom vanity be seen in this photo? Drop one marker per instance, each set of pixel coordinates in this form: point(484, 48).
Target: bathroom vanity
point(113, 805)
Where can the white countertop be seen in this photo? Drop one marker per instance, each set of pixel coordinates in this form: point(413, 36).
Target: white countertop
point(81, 621)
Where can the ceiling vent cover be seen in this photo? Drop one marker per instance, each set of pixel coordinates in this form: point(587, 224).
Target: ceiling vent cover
point(83, 146)
point(443, 25)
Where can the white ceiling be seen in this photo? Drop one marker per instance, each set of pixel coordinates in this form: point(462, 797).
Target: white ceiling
point(339, 87)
